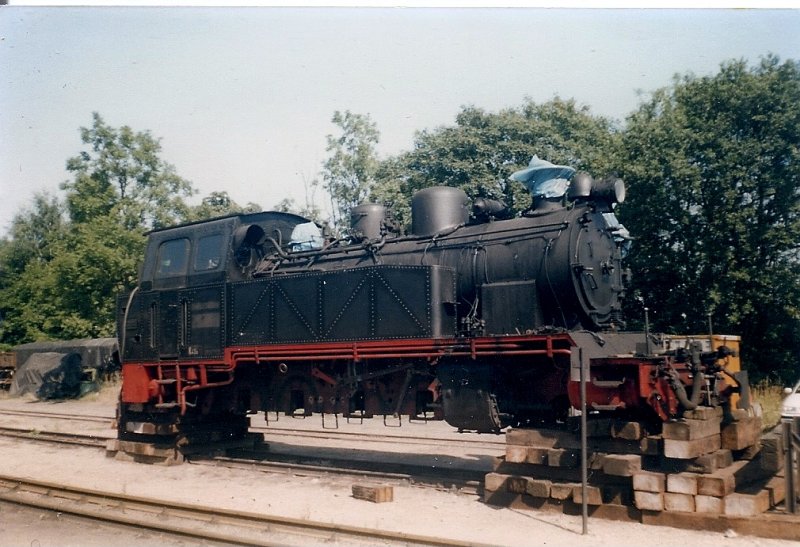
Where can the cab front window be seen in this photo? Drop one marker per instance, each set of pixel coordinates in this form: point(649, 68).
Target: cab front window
point(208, 255)
point(173, 258)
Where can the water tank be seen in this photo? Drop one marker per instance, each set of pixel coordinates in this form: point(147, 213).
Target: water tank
point(438, 209)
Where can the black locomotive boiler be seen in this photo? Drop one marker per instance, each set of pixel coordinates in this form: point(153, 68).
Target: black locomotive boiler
point(472, 317)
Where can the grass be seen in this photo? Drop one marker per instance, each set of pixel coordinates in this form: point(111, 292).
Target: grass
point(109, 392)
point(770, 396)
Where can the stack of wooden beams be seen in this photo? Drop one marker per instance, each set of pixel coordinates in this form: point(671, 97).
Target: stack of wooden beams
point(703, 463)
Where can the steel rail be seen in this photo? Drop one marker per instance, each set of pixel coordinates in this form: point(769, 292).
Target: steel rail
point(448, 480)
point(287, 431)
point(268, 462)
point(155, 514)
point(56, 415)
point(440, 477)
point(80, 439)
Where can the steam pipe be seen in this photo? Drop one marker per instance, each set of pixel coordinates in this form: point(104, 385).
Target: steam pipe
point(680, 391)
point(689, 403)
point(123, 334)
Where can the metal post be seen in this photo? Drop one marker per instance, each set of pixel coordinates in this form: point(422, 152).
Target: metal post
point(790, 443)
point(584, 448)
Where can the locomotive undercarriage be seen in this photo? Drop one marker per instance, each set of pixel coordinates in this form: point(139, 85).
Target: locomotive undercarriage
point(478, 385)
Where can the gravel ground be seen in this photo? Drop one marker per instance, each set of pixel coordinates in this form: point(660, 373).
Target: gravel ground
point(414, 509)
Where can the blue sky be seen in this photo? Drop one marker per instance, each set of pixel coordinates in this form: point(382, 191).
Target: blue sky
point(242, 98)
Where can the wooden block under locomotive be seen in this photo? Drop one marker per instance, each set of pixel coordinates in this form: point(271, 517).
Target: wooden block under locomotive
point(474, 317)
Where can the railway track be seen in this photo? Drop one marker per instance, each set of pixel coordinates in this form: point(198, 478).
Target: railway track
point(465, 481)
point(78, 439)
point(486, 442)
point(198, 521)
point(296, 460)
point(56, 415)
point(228, 527)
point(333, 471)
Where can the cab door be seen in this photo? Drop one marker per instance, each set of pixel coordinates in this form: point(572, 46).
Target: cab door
point(200, 326)
point(170, 325)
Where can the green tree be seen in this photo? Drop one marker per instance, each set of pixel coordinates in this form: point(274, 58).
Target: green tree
point(59, 277)
point(73, 295)
point(33, 242)
point(218, 204)
point(483, 149)
point(122, 175)
point(349, 172)
point(33, 233)
point(714, 203)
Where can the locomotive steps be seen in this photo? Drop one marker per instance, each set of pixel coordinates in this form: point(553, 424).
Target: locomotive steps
point(704, 470)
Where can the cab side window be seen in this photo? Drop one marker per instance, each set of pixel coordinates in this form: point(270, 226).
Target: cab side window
point(173, 258)
point(208, 255)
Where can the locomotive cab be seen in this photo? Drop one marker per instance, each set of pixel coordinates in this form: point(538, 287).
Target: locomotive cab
point(186, 255)
point(178, 309)
point(216, 250)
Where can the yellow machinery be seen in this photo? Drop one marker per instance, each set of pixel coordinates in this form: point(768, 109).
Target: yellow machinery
point(732, 363)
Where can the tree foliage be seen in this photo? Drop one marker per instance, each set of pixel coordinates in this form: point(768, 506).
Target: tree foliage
point(33, 235)
point(121, 174)
point(349, 173)
point(483, 149)
point(714, 202)
point(65, 262)
point(35, 238)
point(218, 204)
point(73, 294)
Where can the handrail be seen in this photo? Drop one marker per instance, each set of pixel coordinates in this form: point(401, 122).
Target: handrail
point(791, 444)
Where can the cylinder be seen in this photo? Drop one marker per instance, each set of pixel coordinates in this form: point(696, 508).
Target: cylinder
point(438, 209)
point(581, 186)
point(366, 220)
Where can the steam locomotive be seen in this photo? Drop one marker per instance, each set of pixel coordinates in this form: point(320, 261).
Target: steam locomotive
point(473, 317)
